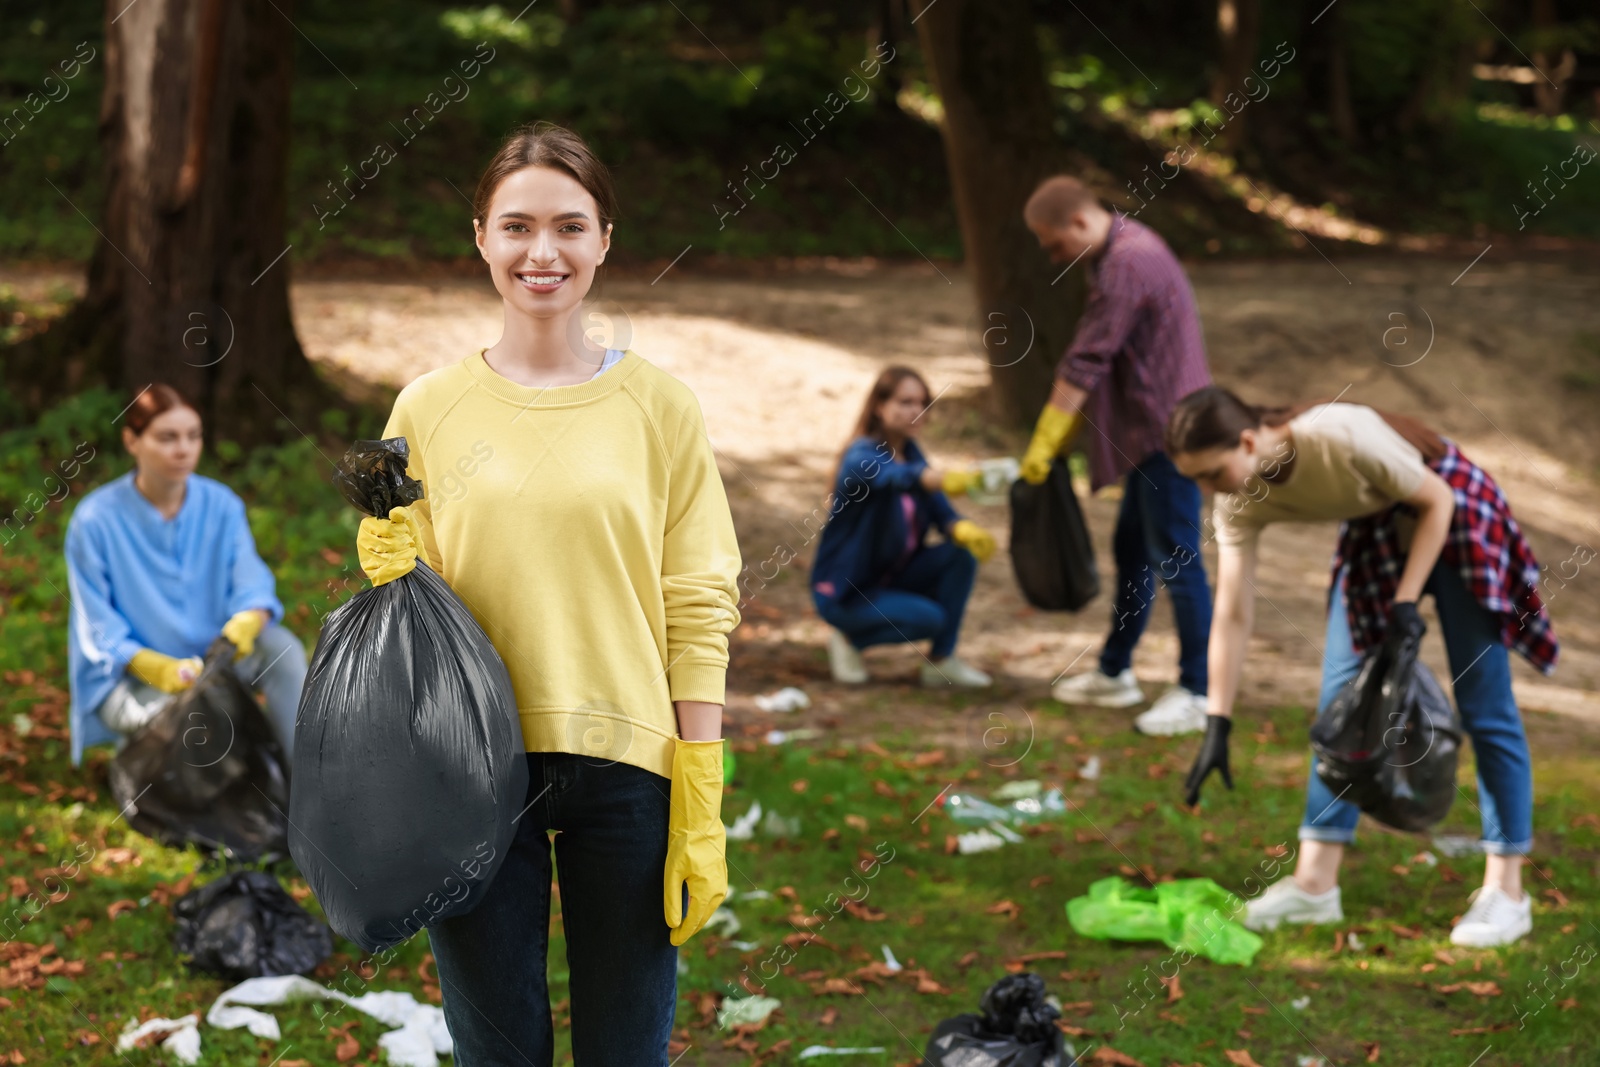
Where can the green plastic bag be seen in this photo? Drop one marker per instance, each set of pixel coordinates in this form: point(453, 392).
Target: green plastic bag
point(1195, 915)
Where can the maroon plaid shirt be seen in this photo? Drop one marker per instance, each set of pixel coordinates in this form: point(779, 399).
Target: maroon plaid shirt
point(1138, 349)
point(1485, 544)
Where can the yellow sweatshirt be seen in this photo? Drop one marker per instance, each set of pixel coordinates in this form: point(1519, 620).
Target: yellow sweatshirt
point(586, 528)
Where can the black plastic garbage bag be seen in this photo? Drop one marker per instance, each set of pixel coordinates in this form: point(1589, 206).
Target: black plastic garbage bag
point(1016, 1029)
point(409, 761)
point(1390, 739)
point(1050, 547)
point(243, 925)
point(208, 769)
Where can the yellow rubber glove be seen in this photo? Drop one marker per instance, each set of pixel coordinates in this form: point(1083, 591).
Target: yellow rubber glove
point(974, 538)
point(389, 547)
point(243, 629)
point(959, 482)
point(696, 839)
point(1054, 429)
point(164, 672)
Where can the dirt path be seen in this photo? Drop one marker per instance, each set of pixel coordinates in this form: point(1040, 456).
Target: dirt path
point(781, 363)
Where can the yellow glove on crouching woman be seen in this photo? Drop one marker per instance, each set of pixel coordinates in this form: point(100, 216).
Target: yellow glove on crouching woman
point(696, 839)
point(243, 629)
point(389, 548)
point(974, 538)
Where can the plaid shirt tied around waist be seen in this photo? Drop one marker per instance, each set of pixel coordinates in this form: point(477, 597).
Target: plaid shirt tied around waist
point(1485, 545)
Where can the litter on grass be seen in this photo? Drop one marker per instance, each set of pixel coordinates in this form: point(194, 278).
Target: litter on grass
point(744, 827)
point(738, 1011)
point(1192, 914)
point(804, 733)
point(978, 841)
point(1457, 845)
point(813, 1051)
point(890, 962)
point(1300, 1003)
point(784, 700)
point(1090, 770)
point(183, 1036)
point(775, 825)
point(419, 1041)
point(723, 920)
point(965, 807)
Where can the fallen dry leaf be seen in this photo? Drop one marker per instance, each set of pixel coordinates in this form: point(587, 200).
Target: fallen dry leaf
point(829, 1017)
point(966, 961)
point(1240, 1057)
point(1174, 988)
point(857, 822)
point(1410, 933)
point(1477, 989)
point(1444, 957)
point(1005, 907)
point(799, 785)
point(1372, 1050)
point(866, 913)
point(1038, 880)
point(118, 907)
point(836, 985)
point(1107, 1054)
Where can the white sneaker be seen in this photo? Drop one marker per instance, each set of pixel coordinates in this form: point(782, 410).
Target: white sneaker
point(1285, 902)
point(1101, 690)
point(844, 660)
point(951, 671)
point(1493, 919)
point(1177, 711)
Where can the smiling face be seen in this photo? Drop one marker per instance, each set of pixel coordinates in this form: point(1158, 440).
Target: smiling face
point(901, 412)
point(543, 241)
point(1223, 470)
point(169, 448)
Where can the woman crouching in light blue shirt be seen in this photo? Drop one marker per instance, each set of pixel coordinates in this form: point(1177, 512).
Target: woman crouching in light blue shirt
point(160, 562)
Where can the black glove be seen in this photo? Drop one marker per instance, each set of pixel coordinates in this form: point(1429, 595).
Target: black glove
point(1213, 756)
point(1404, 622)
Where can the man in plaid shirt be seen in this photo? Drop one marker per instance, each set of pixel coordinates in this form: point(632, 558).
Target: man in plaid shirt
point(1137, 351)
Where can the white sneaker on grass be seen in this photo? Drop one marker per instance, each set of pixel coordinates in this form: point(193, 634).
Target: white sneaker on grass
point(1101, 690)
point(1494, 919)
point(951, 671)
point(844, 660)
point(1285, 902)
point(1177, 711)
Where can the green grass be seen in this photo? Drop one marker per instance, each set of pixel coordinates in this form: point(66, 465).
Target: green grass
point(862, 799)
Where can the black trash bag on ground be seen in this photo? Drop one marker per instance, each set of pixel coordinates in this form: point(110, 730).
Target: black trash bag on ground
point(410, 767)
point(1390, 739)
point(1016, 1029)
point(1050, 547)
point(208, 770)
point(243, 925)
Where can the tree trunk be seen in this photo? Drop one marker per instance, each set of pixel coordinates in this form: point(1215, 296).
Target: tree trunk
point(999, 144)
point(1238, 36)
point(189, 284)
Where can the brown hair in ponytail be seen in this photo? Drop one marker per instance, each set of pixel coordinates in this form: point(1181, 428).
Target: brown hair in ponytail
point(1214, 417)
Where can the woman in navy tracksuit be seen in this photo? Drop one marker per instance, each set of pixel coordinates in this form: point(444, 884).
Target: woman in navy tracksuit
point(874, 580)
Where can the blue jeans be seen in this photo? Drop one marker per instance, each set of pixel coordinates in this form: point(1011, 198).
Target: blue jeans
point(926, 599)
point(1481, 666)
point(1157, 541)
point(611, 854)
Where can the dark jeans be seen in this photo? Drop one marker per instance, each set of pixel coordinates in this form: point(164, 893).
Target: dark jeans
point(611, 855)
point(926, 599)
point(1157, 542)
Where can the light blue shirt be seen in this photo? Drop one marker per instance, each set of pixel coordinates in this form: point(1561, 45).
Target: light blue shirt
point(138, 580)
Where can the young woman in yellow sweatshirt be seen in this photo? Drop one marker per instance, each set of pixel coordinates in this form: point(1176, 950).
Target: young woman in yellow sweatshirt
point(573, 502)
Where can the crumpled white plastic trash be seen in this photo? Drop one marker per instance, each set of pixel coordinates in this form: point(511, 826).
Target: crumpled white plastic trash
point(784, 700)
point(183, 1041)
point(421, 1039)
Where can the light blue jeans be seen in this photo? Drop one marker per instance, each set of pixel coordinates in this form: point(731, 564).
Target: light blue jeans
point(1481, 667)
point(275, 668)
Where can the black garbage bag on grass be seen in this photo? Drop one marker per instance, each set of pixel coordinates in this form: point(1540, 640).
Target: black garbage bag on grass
point(410, 768)
point(243, 925)
point(1016, 1029)
point(208, 770)
point(1050, 547)
point(1389, 740)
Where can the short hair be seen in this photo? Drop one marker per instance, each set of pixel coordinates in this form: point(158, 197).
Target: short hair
point(1057, 199)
